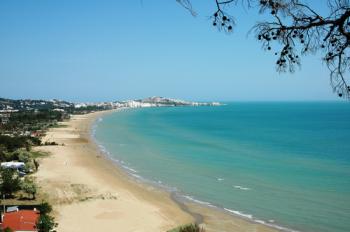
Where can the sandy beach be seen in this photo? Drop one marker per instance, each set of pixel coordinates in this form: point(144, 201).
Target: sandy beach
point(89, 193)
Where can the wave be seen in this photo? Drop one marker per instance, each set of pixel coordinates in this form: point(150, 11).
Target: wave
point(130, 169)
point(250, 217)
point(239, 213)
point(197, 201)
point(137, 176)
point(241, 187)
point(132, 172)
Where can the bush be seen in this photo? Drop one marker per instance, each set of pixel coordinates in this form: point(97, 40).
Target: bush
point(29, 167)
point(10, 182)
point(45, 208)
point(50, 143)
point(13, 143)
point(191, 228)
point(23, 156)
point(7, 229)
point(29, 187)
point(45, 223)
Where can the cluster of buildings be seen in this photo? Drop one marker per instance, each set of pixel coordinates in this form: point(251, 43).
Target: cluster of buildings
point(4, 118)
point(26, 105)
point(8, 106)
point(147, 102)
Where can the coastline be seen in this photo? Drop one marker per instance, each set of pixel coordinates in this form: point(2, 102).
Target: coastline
point(84, 185)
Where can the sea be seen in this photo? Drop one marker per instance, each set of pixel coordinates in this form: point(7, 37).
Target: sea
point(286, 164)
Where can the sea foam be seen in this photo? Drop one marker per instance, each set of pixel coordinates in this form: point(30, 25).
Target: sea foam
point(241, 187)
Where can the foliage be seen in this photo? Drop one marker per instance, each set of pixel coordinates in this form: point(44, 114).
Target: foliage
point(45, 208)
point(19, 155)
point(295, 29)
point(7, 229)
point(191, 228)
point(23, 156)
point(29, 187)
point(29, 167)
point(50, 144)
point(46, 223)
point(13, 143)
point(10, 182)
point(32, 120)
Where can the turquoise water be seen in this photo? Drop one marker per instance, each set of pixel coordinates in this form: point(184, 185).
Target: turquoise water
point(283, 163)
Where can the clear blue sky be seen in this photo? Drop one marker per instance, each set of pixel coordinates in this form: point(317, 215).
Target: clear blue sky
point(101, 50)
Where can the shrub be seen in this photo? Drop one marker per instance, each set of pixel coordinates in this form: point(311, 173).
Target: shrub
point(191, 228)
point(10, 182)
point(7, 229)
point(23, 156)
point(45, 223)
point(29, 187)
point(45, 208)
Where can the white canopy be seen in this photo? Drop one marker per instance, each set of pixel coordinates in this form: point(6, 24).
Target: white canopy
point(13, 164)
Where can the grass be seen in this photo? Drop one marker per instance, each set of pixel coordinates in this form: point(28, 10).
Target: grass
point(38, 154)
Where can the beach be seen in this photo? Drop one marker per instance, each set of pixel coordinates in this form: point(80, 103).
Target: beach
point(90, 193)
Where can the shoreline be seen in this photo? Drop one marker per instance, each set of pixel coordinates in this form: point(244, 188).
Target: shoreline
point(170, 211)
point(89, 193)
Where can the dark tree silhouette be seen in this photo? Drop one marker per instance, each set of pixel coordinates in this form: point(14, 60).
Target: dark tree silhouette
point(296, 29)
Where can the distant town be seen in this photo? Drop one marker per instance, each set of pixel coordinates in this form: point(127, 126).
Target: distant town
point(8, 105)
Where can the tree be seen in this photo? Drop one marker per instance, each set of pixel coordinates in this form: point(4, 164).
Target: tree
point(295, 29)
point(45, 208)
point(10, 182)
point(45, 223)
point(29, 187)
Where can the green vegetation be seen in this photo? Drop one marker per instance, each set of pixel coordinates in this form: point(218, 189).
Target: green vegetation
point(46, 223)
point(20, 155)
point(29, 187)
point(12, 143)
point(33, 120)
point(38, 154)
point(6, 230)
point(188, 228)
point(9, 182)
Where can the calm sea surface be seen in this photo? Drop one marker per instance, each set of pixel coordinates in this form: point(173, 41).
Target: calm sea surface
point(283, 163)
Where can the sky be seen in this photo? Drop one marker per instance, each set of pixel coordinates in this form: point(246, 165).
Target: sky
point(106, 50)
